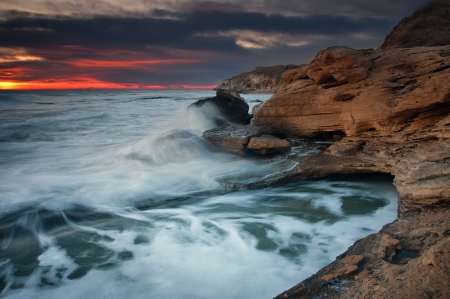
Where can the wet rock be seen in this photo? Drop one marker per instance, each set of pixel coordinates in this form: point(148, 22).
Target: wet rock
point(232, 138)
point(226, 106)
point(241, 140)
point(268, 144)
point(346, 267)
point(231, 95)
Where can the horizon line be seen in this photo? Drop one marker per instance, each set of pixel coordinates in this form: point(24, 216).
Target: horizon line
point(24, 86)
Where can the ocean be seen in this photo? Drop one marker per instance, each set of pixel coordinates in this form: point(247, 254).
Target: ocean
point(114, 194)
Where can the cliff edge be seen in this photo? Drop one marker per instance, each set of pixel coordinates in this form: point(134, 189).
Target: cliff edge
point(259, 80)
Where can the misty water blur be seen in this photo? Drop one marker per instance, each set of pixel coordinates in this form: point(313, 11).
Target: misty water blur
point(115, 193)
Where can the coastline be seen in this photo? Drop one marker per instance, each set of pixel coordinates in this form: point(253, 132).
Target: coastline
point(389, 112)
point(392, 107)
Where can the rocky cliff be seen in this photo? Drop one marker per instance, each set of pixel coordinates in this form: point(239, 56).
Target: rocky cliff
point(388, 111)
point(260, 80)
point(428, 26)
point(392, 106)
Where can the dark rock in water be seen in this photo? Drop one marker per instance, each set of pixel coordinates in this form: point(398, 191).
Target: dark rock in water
point(231, 106)
point(268, 144)
point(232, 138)
point(232, 95)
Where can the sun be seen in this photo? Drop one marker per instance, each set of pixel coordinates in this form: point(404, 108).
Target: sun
point(10, 85)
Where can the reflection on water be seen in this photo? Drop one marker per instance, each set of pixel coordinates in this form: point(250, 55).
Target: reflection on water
point(114, 194)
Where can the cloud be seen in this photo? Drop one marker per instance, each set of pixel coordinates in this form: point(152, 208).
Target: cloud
point(189, 31)
point(147, 42)
point(145, 8)
point(252, 39)
point(15, 55)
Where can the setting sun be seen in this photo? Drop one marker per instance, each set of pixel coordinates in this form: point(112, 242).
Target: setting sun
point(12, 85)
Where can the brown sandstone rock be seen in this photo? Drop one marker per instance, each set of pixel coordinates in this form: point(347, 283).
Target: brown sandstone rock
point(232, 138)
point(397, 118)
point(393, 106)
point(395, 115)
point(237, 139)
point(340, 65)
point(268, 144)
point(346, 266)
point(400, 84)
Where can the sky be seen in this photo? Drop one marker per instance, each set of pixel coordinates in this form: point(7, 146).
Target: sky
point(72, 44)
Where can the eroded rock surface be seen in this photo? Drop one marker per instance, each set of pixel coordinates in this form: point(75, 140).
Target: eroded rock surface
point(381, 92)
point(392, 108)
point(268, 144)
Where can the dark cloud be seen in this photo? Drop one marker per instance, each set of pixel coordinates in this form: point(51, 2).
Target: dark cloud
point(185, 32)
point(218, 41)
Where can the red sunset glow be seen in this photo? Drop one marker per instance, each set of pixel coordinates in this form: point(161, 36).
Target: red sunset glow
point(88, 83)
point(38, 76)
point(124, 64)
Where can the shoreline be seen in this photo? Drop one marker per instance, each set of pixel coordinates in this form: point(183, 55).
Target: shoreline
point(394, 112)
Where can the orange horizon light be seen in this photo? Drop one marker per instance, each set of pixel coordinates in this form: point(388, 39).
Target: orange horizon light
point(89, 84)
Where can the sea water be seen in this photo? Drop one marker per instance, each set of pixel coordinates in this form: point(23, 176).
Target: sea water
point(114, 194)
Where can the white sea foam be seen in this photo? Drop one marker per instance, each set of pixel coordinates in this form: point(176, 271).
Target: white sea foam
point(122, 198)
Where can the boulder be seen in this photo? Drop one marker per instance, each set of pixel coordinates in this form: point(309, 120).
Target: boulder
point(268, 144)
point(232, 138)
point(231, 95)
point(238, 139)
point(230, 107)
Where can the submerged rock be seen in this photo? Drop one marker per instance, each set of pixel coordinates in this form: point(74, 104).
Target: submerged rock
point(229, 107)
